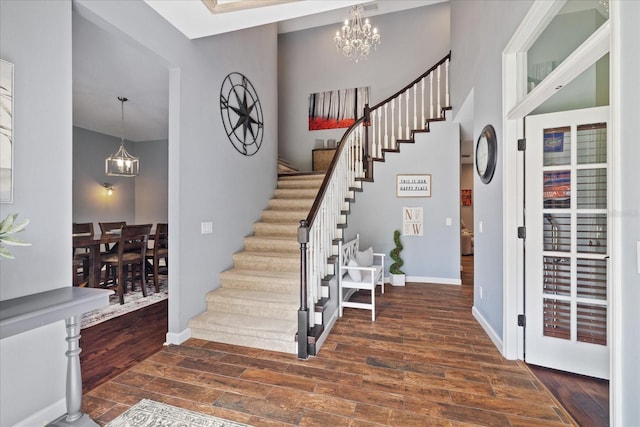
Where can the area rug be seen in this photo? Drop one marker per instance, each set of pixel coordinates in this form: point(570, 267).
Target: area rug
point(133, 300)
point(149, 413)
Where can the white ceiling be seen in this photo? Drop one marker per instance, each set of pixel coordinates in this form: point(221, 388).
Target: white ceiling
point(107, 65)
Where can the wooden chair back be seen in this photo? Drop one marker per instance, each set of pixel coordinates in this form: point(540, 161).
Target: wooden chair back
point(107, 227)
point(134, 239)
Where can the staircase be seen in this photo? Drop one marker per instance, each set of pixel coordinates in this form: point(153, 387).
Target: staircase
point(258, 299)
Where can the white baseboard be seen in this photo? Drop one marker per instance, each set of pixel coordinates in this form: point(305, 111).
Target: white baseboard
point(497, 340)
point(432, 280)
point(178, 338)
point(45, 415)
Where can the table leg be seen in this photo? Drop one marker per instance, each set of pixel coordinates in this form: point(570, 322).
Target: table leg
point(94, 266)
point(73, 417)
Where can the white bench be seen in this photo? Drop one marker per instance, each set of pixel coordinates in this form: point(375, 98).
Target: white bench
point(359, 270)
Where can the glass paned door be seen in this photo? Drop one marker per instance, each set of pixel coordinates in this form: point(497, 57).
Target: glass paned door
point(567, 241)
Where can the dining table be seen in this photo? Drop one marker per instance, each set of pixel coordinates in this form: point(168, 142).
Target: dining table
point(92, 244)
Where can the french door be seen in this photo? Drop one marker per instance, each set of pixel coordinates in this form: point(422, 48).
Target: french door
point(567, 243)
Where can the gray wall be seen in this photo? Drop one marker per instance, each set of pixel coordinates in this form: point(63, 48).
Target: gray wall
point(152, 185)
point(139, 200)
point(36, 38)
point(477, 65)
point(91, 203)
point(205, 170)
point(377, 212)
point(411, 42)
point(628, 352)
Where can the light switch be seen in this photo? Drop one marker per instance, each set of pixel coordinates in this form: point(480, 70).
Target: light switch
point(480, 226)
point(449, 221)
point(206, 227)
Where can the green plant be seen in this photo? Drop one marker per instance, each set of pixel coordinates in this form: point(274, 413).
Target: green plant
point(395, 255)
point(9, 226)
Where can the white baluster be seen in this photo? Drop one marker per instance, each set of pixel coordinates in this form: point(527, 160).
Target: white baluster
point(386, 140)
point(399, 117)
point(393, 118)
point(439, 107)
point(422, 97)
point(431, 95)
point(386, 133)
point(406, 95)
point(374, 146)
point(446, 79)
point(379, 114)
point(415, 109)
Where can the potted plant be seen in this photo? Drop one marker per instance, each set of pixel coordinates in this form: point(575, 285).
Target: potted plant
point(397, 275)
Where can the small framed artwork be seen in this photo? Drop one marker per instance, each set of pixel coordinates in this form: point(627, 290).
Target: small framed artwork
point(465, 197)
point(413, 185)
point(6, 132)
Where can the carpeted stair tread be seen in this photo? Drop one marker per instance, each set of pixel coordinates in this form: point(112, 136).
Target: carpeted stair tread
point(276, 229)
point(268, 305)
point(309, 176)
point(271, 244)
point(280, 215)
point(270, 281)
point(291, 204)
point(251, 331)
point(267, 261)
point(293, 193)
point(251, 297)
point(300, 184)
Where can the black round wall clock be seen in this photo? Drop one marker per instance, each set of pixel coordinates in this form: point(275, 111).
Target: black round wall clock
point(486, 154)
point(241, 114)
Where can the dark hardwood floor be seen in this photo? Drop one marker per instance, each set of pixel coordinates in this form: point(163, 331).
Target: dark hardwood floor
point(585, 398)
point(112, 347)
point(425, 361)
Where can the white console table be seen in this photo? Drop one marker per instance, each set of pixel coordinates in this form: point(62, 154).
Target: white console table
point(32, 311)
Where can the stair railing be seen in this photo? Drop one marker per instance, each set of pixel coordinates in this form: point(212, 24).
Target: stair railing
point(378, 130)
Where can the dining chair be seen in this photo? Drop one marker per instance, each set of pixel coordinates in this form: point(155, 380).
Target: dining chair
point(159, 251)
point(110, 227)
point(105, 228)
point(132, 248)
point(81, 255)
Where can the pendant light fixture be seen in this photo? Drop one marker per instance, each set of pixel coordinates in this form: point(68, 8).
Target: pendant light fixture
point(122, 163)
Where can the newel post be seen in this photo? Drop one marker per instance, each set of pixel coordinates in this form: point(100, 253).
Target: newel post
point(303, 312)
point(366, 157)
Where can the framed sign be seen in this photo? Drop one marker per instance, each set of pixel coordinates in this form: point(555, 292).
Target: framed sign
point(413, 185)
point(412, 221)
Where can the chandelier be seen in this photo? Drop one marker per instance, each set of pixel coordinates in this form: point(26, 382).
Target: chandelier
point(356, 38)
point(122, 163)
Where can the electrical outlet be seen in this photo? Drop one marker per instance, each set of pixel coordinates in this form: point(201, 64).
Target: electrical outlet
point(206, 227)
point(449, 221)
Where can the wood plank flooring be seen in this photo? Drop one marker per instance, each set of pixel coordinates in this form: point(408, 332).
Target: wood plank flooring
point(425, 361)
point(112, 347)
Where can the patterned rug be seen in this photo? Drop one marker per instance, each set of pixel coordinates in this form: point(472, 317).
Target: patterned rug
point(132, 301)
point(148, 413)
